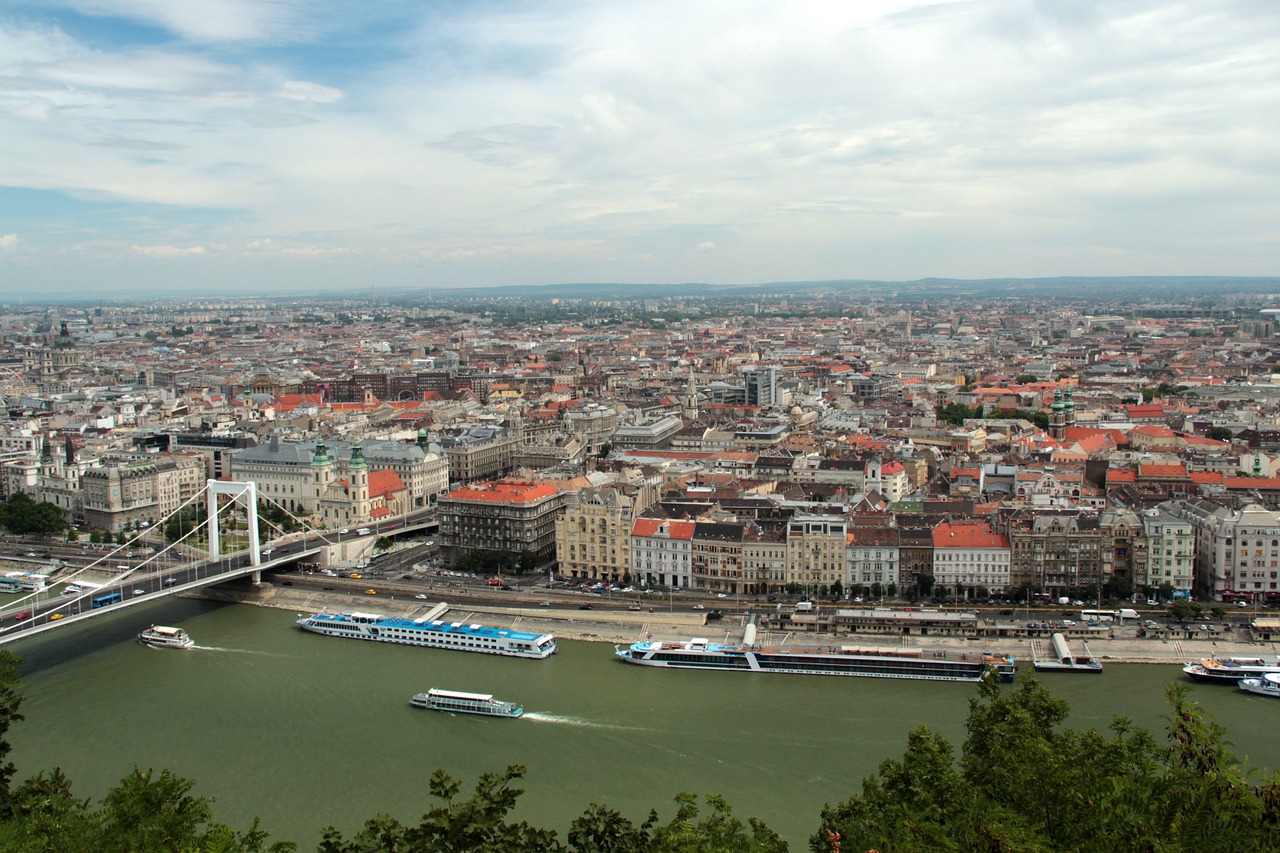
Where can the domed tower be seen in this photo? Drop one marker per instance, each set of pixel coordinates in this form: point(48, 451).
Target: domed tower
point(423, 440)
point(358, 480)
point(1057, 416)
point(321, 471)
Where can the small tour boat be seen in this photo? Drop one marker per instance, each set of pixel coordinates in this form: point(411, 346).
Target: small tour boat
point(164, 637)
point(465, 703)
point(1267, 685)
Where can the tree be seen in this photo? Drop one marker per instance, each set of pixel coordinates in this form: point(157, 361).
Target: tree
point(1024, 783)
point(1184, 609)
point(1219, 433)
point(21, 515)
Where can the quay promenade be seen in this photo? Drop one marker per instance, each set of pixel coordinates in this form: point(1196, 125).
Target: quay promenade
point(621, 626)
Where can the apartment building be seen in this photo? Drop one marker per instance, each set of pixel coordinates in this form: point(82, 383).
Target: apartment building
point(662, 552)
point(593, 535)
point(515, 516)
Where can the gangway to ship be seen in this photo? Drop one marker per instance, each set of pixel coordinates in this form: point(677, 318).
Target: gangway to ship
point(435, 613)
point(1061, 659)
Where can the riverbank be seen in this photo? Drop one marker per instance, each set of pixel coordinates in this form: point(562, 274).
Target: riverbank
point(625, 627)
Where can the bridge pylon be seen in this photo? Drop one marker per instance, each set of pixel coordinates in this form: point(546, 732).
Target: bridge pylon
point(247, 494)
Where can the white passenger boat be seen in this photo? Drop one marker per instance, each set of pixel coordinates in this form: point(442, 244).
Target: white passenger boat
point(164, 637)
point(465, 703)
point(1226, 670)
point(457, 636)
point(1267, 685)
point(822, 660)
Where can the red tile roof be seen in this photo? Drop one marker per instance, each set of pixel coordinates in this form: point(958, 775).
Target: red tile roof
point(519, 492)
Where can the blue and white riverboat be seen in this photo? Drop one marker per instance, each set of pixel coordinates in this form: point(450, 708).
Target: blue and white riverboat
point(820, 660)
point(456, 636)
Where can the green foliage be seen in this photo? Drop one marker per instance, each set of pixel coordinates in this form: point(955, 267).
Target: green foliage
point(956, 413)
point(1218, 433)
point(1025, 783)
point(477, 824)
point(21, 515)
point(1183, 609)
point(10, 702)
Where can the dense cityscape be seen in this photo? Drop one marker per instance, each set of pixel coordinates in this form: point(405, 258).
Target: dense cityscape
point(812, 445)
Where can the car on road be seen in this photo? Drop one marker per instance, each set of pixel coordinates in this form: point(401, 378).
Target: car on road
point(406, 577)
point(139, 592)
point(25, 614)
point(634, 607)
point(170, 581)
point(544, 603)
point(422, 596)
point(698, 607)
point(370, 592)
point(343, 530)
point(584, 606)
point(56, 616)
point(719, 595)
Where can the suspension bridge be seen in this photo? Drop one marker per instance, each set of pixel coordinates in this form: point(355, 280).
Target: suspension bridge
point(214, 551)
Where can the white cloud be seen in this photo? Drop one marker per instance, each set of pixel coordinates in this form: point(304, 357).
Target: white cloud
point(166, 251)
point(300, 90)
point(205, 20)
point(563, 140)
point(8, 242)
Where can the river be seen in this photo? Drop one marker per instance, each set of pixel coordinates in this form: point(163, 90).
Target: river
point(304, 731)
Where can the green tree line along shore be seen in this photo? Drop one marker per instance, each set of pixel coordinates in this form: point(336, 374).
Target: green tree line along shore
point(1022, 781)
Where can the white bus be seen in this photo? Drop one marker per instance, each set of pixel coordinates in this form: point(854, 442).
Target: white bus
point(1098, 615)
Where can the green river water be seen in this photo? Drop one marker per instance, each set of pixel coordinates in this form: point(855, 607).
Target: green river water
point(306, 731)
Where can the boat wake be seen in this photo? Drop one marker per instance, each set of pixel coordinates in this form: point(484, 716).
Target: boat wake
point(237, 651)
point(577, 721)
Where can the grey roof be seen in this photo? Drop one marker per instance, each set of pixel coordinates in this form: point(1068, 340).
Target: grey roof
point(376, 451)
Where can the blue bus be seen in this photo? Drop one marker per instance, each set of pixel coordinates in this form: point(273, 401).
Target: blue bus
point(104, 600)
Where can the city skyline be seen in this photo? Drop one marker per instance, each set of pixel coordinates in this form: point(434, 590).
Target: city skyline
point(290, 147)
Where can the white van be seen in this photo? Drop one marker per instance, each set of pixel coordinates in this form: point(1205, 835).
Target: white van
point(363, 531)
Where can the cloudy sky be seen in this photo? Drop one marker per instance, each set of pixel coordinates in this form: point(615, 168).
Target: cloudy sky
point(194, 146)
